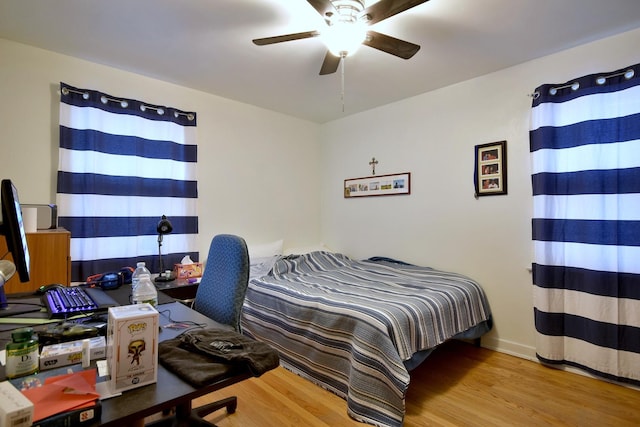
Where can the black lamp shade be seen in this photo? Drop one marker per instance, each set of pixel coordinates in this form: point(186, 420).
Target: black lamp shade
point(164, 226)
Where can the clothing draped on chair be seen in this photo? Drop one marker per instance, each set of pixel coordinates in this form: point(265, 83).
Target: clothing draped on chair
point(122, 165)
point(585, 149)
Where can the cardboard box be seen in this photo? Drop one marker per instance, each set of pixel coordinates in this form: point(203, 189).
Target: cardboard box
point(132, 346)
point(69, 353)
point(188, 271)
point(15, 409)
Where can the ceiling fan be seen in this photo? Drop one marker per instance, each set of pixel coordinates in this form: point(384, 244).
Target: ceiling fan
point(346, 29)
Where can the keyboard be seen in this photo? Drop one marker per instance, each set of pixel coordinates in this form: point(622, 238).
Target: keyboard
point(62, 302)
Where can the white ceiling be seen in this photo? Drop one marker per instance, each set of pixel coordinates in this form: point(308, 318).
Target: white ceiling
point(206, 44)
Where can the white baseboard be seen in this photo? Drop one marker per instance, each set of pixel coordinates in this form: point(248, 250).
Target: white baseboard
point(510, 347)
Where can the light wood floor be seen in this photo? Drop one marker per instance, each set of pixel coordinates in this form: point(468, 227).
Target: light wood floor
point(459, 385)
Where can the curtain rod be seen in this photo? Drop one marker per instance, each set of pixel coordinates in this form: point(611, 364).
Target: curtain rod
point(124, 104)
point(600, 80)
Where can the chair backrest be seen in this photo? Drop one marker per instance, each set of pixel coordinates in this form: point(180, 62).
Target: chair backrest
point(224, 281)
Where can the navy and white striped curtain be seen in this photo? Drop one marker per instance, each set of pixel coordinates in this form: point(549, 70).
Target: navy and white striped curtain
point(585, 149)
point(122, 165)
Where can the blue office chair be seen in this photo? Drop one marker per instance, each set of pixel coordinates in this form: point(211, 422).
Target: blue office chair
point(220, 296)
point(224, 282)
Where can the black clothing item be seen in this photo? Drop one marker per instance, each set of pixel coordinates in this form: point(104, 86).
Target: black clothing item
point(202, 356)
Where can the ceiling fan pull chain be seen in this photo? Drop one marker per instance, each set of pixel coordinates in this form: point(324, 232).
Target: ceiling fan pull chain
point(344, 59)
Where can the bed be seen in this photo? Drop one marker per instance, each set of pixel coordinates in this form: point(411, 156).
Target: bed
point(357, 327)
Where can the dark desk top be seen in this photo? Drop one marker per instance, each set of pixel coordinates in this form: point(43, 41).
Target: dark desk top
point(122, 296)
point(169, 390)
point(179, 289)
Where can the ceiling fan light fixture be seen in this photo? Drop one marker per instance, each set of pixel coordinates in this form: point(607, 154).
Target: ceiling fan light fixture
point(346, 23)
point(344, 38)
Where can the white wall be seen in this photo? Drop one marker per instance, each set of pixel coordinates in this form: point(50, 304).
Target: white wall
point(440, 223)
point(258, 171)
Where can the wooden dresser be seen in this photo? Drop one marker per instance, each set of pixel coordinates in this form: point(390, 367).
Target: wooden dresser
point(50, 260)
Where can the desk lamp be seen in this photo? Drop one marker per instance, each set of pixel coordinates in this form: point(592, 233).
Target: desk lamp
point(164, 227)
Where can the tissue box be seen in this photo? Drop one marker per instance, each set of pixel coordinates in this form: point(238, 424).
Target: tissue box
point(187, 271)
point(15, 409)
point(132, 346)
point(69, 353)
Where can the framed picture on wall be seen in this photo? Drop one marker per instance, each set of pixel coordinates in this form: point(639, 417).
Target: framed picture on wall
point(380, 185)
point(491, 169)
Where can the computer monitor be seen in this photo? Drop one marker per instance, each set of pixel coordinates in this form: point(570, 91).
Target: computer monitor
point(12, 228)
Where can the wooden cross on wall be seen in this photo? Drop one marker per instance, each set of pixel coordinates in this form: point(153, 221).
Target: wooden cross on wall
point(373, 164)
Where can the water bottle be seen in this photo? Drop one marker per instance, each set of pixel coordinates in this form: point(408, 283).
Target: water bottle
point(145, 291)
point(135, 277)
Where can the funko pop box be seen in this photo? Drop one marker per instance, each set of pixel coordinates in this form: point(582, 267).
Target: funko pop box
point(132, 346)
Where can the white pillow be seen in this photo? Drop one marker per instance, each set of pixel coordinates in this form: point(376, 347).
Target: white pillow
point(306, 249)
point(257, 253)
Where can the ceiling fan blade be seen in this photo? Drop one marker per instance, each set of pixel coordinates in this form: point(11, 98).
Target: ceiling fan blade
point(330, 64)
point(323, 7)
point(286, 38)
point(392, 45)
point(387, 8)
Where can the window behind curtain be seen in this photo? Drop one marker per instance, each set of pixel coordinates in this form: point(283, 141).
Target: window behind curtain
point(122, 165)
point(585, 148)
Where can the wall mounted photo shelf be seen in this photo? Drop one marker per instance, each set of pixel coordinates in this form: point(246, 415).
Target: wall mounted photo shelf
point(380, 185)
point(491, 169)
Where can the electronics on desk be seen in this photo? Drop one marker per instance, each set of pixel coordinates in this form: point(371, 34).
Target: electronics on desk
point(12, 227)
point(64, 301)
point(46, 215)
point(67, 331)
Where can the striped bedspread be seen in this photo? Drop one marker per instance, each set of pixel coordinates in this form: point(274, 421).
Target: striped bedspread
point(349, 325)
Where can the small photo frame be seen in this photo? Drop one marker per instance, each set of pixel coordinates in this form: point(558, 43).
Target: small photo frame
point(491, 169)
point(380, 185)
